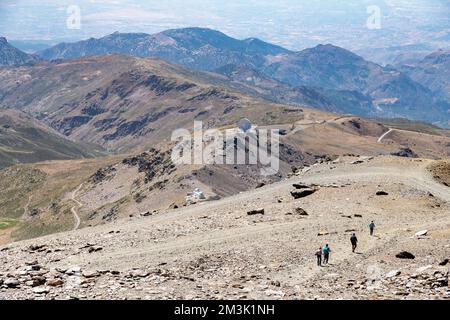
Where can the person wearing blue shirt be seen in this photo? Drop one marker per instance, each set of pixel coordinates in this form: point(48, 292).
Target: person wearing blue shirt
point(326, 253)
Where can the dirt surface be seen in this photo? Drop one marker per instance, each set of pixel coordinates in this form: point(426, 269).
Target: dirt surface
point(441, 172)
point(215, 250)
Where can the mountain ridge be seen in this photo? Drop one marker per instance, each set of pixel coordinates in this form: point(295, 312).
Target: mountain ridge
point(9, 55)
point(432, 71)
point(23, 139)
point(391, 92)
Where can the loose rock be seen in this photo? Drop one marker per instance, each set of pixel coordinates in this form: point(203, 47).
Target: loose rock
point(421, 233)
point(405, 255)
point(256, 211)
point(11, 283)
point(393, 273)
point(55, 282)
point(300, 211)
point(297, 194)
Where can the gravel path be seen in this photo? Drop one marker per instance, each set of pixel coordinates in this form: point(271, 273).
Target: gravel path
point(215, 250)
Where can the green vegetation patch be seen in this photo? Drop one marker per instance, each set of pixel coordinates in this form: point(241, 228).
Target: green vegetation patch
point(6, 223)
point(17, 185)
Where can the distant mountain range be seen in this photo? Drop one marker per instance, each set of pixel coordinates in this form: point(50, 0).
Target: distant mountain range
point(325, 77)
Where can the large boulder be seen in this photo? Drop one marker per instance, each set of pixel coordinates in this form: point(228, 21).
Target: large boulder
point(301, 186)
point(405, 255)
point(255, 211)
point(41, 290)
point(300, 211)
point(90, 274)
point(11, 283)
point(393, 273)
point(406, 153)
point(444, 262)
point(55, 282)
point(297, 194)
point(421, 233)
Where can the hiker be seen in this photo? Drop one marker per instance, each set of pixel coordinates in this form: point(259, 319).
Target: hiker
point(354, 242)
point(371, 228)
point(319, 257)
point(326, 253)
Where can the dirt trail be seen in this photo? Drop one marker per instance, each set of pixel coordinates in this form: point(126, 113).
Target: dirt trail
point(384, 135)
point(26, 208)
point(412, 177)
point(79, 204)
point(218, 245)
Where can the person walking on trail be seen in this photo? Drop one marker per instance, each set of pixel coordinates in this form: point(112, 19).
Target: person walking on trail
point(354, 241)
point(319, 257)
point(326, 253)
point(371, 228)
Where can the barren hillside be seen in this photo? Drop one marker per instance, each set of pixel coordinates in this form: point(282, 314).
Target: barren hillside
point(61, 195)
point(217, 250)
point(24, 139)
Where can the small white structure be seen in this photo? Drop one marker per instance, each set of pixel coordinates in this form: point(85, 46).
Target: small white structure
point(198, 194)
point(194, 197)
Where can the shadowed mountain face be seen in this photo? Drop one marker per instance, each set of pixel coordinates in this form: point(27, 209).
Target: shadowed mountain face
point(10, 55)
point(341, 80)
point(197, 48)
point(124, 103)
point(25, 140)
point(433, 72)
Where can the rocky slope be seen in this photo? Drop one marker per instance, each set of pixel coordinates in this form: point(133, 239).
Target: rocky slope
point(10, 55)
point(221, 250)
point(23, 139)
point(432, 72)
point(124, 103)
point(100, 191)
point(441, 171)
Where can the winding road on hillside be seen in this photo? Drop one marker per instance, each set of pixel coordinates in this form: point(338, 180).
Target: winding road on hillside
point(384, 135)
point(79, 205)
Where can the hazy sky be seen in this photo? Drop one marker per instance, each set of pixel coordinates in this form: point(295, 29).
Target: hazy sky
point(295, 24)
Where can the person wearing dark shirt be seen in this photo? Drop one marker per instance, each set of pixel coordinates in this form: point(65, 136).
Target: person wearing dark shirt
point(354, 242)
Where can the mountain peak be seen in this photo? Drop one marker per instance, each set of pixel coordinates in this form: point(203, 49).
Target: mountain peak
point(199, 30)
point(10, 55)
point(196, 32)
point(264, 47)
point(194, 38)
point(330, 50)
point(328, 47)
